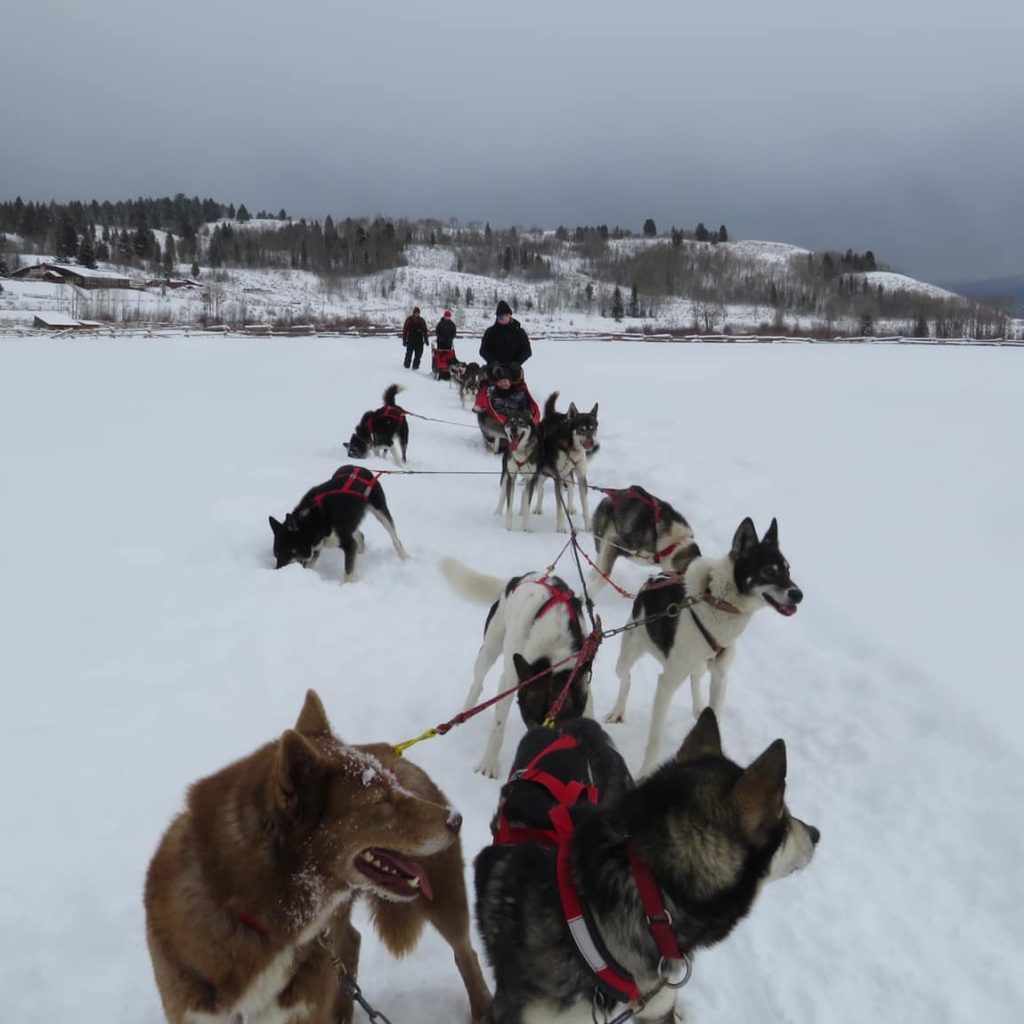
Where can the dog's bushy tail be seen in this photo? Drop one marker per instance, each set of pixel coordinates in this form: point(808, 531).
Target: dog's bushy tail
point(391, 393)
point(474, 586)
point(549, 405)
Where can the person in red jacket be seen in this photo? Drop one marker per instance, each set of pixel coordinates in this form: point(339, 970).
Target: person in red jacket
point(414, 337)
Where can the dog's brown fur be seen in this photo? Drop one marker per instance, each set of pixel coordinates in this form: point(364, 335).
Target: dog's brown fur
point(267, 856)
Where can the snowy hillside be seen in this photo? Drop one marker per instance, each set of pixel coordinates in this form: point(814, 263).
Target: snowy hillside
point(569, 300)
point(147, 641)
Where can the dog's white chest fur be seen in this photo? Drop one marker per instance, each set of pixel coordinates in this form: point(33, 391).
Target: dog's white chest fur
point(258, 1004)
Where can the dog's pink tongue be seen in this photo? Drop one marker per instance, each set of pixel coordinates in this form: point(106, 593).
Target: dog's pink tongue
point(410, 868)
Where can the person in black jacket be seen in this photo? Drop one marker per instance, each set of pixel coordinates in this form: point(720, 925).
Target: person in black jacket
point(445, 331)
point(414, 337)
point(505, 341)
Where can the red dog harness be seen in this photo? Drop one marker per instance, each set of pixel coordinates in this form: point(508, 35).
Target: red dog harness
point(356, 480)
point(388, 412)
point(613, 980)
point(558, 596)
point(653, 504)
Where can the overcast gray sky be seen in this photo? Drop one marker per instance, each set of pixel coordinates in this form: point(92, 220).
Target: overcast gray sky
point(892, 125)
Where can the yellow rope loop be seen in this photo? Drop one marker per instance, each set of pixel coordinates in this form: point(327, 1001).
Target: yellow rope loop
point(401, 748)
point(549, 723)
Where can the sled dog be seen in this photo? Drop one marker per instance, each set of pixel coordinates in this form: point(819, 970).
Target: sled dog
point(379, 429)
point(563, 897)
point(520, 461)
point(538, 618)
point(251, 888)
point(632, 523)
point(328, 516)
point(753, 575)
point(568, 440)
point(471, 376)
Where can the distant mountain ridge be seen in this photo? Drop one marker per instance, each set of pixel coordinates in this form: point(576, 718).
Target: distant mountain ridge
point(991, 288)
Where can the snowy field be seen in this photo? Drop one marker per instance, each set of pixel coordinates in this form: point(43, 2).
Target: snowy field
point(147, 640)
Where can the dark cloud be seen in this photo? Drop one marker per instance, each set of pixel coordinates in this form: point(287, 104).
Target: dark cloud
point(892, 125)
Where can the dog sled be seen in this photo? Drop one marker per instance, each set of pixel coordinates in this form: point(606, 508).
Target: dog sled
point(440, 362)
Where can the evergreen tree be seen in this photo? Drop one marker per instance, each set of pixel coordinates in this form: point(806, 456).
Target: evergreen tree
point(243, 214)
point(86, 252)
point(195, 269)
point(4, 270)
point(67, 239)
point(650, 228)
point(701, 233)
point(469, 296)
point(103, 252)
point(618, 310)
point(723, 235)
point(634, 301)
point(170, 256)
point(921, 327)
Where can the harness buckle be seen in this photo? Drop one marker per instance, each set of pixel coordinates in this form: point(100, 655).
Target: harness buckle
point(663, 918)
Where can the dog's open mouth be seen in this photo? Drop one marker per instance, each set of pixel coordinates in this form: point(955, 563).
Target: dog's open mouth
point(782, 609)
point(588, 443)
point(391, 871)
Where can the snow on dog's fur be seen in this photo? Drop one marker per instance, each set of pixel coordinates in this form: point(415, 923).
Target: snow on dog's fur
point(753, 575)
point(535, 616)
point(271, 851)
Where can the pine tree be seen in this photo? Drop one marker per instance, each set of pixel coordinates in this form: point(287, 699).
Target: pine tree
point(617, 308)
point(650, 228)
point(469, 296)
point(86, 252)
point(243, 214)
point(195, 269)
point(723, 235)
point(634, 301)
point(701, 233)
point(170, 256)
point(67, 239)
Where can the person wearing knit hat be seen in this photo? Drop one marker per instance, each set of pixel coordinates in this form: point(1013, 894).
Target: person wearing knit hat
point(414, 337)
point(505, 341)
point(445, 331)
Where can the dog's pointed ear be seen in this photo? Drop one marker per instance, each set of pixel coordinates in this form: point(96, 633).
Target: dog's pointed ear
point(771, 535)
point(345, 445)
point(703, 740)
point(523, 668)
point(573, 411)
point(760, 791)
point(744, 538)
point(276, 526)
point(294, 780)
point(593, 412)
point(312, 719)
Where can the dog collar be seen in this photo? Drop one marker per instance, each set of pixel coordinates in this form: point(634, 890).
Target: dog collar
point(716, 602)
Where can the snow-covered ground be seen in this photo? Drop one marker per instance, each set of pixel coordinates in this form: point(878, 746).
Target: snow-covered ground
point(147, 640)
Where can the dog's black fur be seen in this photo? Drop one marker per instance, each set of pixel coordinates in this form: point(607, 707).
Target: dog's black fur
point(326, 517)
point(471, 378)
point(520, 460)
point(632, 523)
point(710, 831)
point(568, 441)
point(379, 428)
point(537, 699)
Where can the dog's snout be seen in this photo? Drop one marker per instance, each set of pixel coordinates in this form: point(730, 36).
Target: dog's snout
point(814, 834)
point(454, 821)
point(796, 595)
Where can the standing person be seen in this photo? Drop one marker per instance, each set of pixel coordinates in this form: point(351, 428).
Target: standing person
point(445, 332)
point(505, 341)
point(414, 337)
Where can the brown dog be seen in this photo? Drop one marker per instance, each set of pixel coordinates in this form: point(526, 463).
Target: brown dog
point(267, 858)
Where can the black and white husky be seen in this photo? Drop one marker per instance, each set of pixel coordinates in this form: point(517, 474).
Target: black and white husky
point(568, 440)
point(753, 575)
point(632, 523)
point(328, 516)
point(564, 898)
point(379, 429)
point(534, 616)
point(520, 461)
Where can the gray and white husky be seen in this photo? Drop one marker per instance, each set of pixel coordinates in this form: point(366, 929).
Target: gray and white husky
point(520, 461)
point(709, 832)
point(568, 441)
point(753, 575)
point(632, 523)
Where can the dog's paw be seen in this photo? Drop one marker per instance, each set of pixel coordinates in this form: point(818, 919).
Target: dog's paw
point(487, 769)
point(615, 717)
